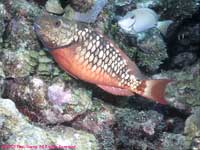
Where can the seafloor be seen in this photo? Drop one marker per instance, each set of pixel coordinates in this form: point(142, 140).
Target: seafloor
point(41, 106)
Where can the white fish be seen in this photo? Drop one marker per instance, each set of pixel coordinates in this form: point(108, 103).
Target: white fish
point(163, 26)
point(138, 20)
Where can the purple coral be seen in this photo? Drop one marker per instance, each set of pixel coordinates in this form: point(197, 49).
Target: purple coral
point(91, 15)
point(57, 95)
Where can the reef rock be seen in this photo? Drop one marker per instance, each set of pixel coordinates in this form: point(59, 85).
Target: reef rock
point(174, 141)
point(99, 116)
point(17, 131)
point(21, 35)
point(192, 124)
point(22, 7)
point(183, 92)
point(54, 103)
point(132, 125)
point(54, 6)
point(3, 13)
point(18, 64)
point(89, 16)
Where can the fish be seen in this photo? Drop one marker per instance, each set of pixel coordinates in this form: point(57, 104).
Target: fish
point(138, 20)
point(87, 54)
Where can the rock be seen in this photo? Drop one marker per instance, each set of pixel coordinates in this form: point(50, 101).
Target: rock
point(20, 35)
point(122, 2)
point(47, 68)
point(153, 50)
point(16, 130)
point(174, 141)
point(99, 121)
point(53, 103)
point(184, 38)
point(82, 5)
point(179, 9)
point(148, 3)
point(183, 59)
point(90, 16)
point(97, 117)
point(195, 143)
point(3, 13)
point(132, 125)
point(17, 64)
point(23, 7)
point(183, 92)
point(192, 124)
point(75, 101)
point(54, 6)
point(2, 76)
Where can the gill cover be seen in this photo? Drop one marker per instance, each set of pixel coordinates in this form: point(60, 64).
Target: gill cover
point(54, 32)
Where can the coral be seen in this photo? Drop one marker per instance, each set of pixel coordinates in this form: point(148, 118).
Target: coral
point(2, 76)
point(195, 143)
point(183, 59)
point(18, 64)
point(99, 116)
point(22, 7)
point(82, 5)
point(192, 124)
point(90, 16)
point(184, 90)
point(179, 9)
point(174, 141)
point(43, 101)
point(20, 35)
point(122, 2)
point(153, 50)
point(57, 95)
point(132, 125)
point(16, 130)
point(148, 3)
point(54, 6)
point(78, 102)
point(3, 13)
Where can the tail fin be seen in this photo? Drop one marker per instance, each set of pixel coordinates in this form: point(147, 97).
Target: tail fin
point(153, 89)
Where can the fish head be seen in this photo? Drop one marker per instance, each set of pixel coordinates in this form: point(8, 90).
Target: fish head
point(127, 22)
point(54, 32)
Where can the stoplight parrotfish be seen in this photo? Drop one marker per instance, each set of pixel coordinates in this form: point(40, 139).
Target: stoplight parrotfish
point(88, 55)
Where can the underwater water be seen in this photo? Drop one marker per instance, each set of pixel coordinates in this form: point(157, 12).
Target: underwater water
point(106, 74)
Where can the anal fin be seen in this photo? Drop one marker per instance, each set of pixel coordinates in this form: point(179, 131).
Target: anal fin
point(116, 91)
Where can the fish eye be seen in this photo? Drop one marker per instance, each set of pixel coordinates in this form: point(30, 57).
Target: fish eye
point(57, 23)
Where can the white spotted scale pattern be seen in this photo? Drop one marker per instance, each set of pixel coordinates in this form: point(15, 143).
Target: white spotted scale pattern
point(100, 55)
